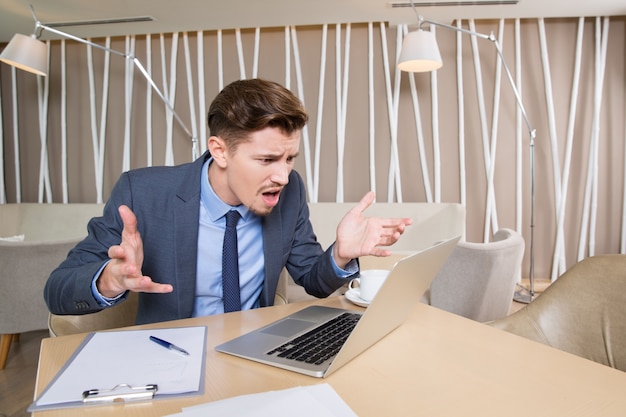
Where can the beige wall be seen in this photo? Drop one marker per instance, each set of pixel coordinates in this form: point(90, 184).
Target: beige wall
point(547, 92)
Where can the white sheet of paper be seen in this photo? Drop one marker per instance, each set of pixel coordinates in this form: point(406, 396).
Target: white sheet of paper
point(130, 357)
point(309, 401)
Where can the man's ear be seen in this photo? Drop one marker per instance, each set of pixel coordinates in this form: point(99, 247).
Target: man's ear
point(218, 149)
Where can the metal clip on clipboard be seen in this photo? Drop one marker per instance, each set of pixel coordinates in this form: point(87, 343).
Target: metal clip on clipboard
point(120, 393)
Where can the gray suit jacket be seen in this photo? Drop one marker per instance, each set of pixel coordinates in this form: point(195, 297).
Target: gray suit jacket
point(166, 201)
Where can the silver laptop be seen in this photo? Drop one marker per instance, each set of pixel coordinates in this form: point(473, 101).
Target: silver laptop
point(274, 344)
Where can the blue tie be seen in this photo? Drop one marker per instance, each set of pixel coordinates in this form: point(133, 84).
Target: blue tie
point(230, 264)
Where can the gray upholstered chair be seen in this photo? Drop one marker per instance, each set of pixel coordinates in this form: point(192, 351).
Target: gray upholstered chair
point(24, 269)
point(35, 239)
point(478, 279)
point(583, 312)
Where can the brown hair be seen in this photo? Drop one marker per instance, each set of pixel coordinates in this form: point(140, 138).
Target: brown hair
point(247, 106)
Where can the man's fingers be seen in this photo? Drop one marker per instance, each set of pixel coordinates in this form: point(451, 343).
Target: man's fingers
point(159, 288)
point(122, 261)
point(399, 223)
point(365, 202)
point(116, 252)
point(381, 252)
point(131, 244)
point(393, 228)
point(129, 219)
point(145, 284)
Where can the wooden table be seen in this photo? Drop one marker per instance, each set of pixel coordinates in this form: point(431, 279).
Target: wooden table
point(435, 364)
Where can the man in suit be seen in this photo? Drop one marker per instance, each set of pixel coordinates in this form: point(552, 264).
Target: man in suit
point(162, 229)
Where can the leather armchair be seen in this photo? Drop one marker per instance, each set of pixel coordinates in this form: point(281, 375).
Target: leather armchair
point(583, 312)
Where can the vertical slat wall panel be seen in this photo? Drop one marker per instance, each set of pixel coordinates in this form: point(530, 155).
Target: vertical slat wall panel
point(170, 92)
point(320, 115)
point(306, 143)
point(552, 134)
point(434, 80)
point(128, 100)
point(98, 127)
point(393, 183)
point(16, 138)
point(371, 96)
point(63, 124)
point(3, 194)
point(559, 259)
point(148, 66)
point(202, 109)
point(453, 135)
point(45, 191)
point(518, 132)
point(622, 247)
point(591, 190)
point(424, 163)
point(461, 111)
point(341, 80)
point(492, 213)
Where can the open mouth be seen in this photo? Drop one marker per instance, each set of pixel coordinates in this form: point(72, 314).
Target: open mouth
point(271, 197)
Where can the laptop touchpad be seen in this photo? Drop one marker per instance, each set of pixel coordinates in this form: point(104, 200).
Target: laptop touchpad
point(288, 327)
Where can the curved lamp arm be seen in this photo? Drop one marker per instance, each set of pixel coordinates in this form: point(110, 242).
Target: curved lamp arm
point(40, 27)
point(491, 37)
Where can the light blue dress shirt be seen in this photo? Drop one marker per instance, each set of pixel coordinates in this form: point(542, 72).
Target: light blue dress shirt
point(249, 245)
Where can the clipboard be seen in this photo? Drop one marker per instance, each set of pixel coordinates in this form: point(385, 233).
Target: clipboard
point(120, 393)
point(123, 366)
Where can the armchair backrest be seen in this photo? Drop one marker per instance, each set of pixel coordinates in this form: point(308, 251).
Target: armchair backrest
point(478, 279)
point(583, 312)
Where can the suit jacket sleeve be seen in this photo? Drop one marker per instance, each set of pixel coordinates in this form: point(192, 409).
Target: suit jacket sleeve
point(300, 252)
point(68, 289)
point(166, 202)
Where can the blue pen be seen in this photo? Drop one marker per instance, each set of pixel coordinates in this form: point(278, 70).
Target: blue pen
point(168, 345)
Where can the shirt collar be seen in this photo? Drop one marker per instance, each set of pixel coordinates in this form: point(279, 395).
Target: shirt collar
point(214, 206)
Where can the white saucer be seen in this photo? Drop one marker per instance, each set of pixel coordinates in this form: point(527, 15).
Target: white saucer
point(353, 295)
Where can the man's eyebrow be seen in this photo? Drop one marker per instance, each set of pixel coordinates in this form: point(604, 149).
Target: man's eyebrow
point(270, 155)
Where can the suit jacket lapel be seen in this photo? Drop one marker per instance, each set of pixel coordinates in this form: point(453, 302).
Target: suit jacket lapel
point(273, 251)
point(186, 220)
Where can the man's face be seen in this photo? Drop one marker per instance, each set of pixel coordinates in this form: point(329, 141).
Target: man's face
point(255, 174)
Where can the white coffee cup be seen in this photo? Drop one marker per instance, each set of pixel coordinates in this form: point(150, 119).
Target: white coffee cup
point(368, 283)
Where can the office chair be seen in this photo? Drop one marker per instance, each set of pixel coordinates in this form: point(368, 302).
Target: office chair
point(583, 312)
point(478, 279)
point(24, 269)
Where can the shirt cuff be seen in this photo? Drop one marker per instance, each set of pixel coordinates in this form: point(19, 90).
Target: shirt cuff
point(101, 299)
point(351, 268)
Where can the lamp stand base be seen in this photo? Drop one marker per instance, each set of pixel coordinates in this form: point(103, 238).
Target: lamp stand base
point(523, 295)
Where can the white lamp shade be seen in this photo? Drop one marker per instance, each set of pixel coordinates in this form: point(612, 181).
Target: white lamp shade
point(420, 52)
point(26, 53)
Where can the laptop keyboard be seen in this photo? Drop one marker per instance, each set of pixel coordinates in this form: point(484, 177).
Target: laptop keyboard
point(321, 343)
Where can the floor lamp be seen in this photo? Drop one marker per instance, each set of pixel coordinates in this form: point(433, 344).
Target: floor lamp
point(420, 53)
point(30, 54)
